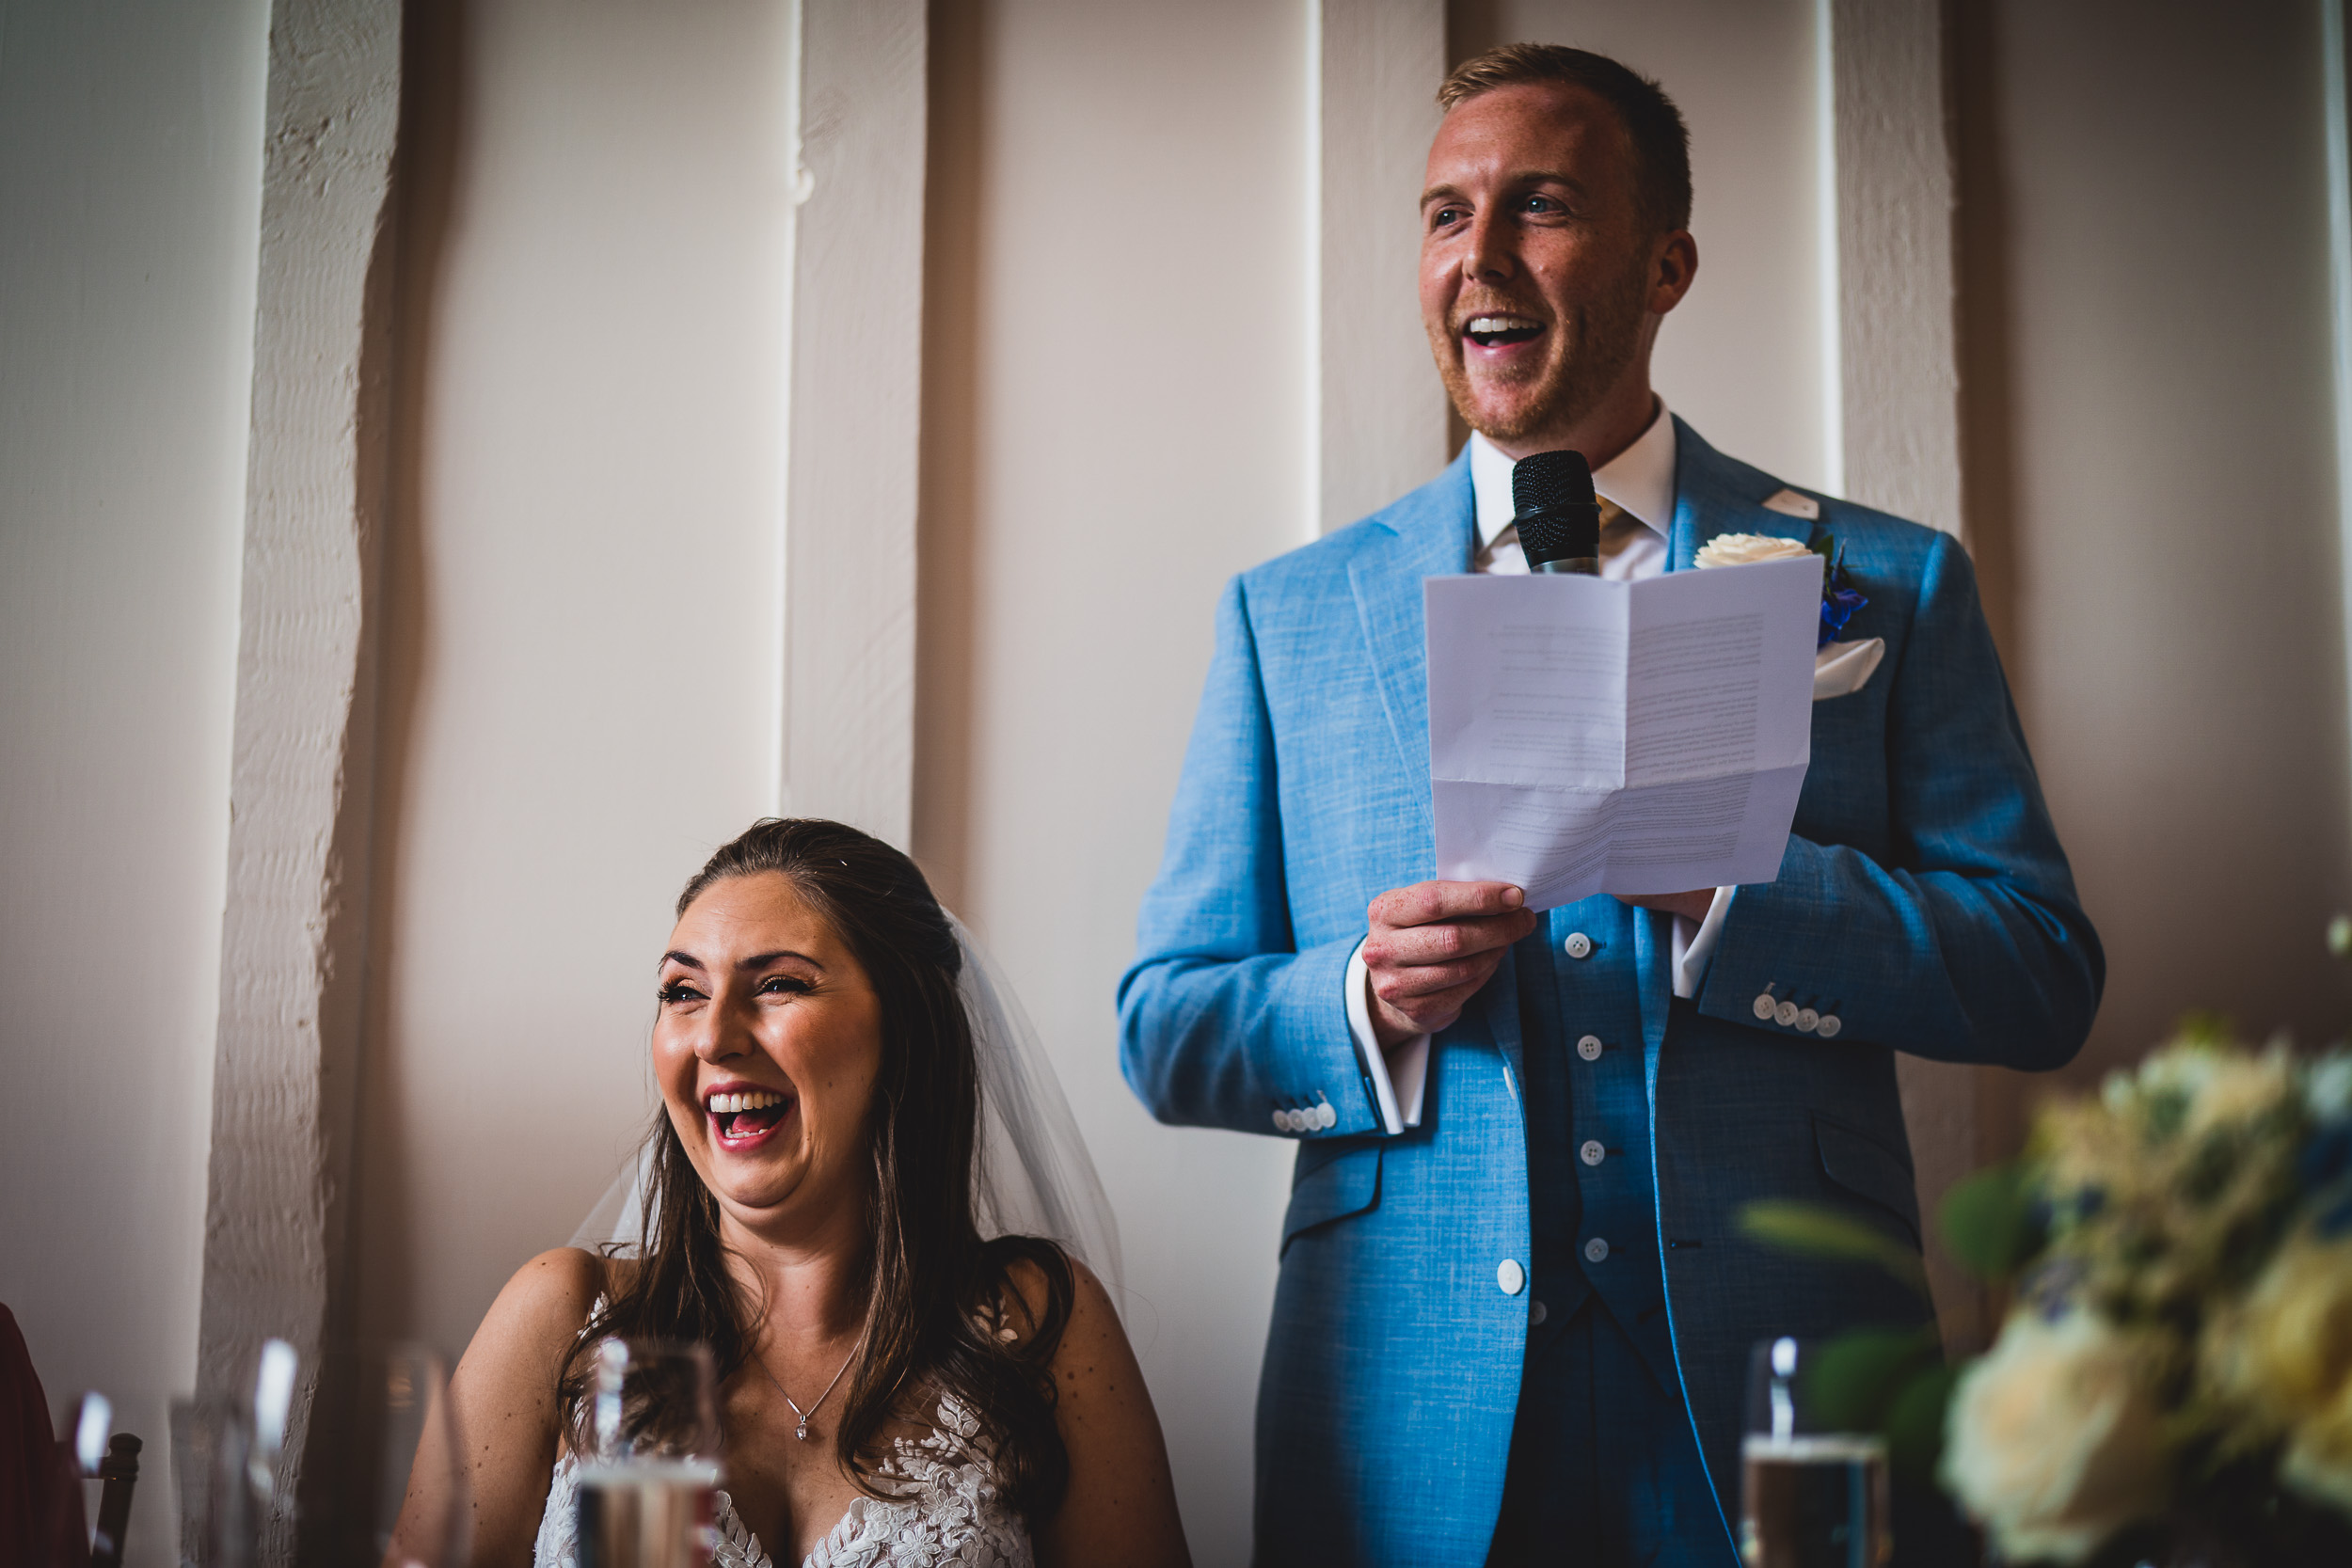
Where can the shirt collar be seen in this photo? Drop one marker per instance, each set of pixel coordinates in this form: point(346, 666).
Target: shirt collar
point(1640, 479)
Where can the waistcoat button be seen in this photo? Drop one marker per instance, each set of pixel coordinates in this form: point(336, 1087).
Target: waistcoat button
point(1594, 1250)
point(1589, 1048)
point(1509, 1277)
point(1578, 944)
point(1592, 1154)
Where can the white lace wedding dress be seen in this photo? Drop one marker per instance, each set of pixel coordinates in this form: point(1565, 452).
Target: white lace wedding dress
point(944, 1510)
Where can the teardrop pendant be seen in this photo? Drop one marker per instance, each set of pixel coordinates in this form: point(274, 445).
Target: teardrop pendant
point(801, 1432)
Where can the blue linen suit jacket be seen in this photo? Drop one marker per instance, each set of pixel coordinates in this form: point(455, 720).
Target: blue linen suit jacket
point(1923, 898)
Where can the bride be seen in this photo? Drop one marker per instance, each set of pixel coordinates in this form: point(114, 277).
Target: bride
point(893, 1388)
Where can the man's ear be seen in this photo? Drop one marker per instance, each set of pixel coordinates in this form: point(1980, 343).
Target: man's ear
point(1674, 263)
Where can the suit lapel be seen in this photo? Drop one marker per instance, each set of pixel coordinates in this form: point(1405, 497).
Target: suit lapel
point(1426, 534)
point(1715, 496)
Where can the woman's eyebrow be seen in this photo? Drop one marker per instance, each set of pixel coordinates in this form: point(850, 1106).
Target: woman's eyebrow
point(684, 961)
point(761, 960)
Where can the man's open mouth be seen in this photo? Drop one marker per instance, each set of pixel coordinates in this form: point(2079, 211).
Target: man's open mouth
point(1495, 331)
point(749, 1114)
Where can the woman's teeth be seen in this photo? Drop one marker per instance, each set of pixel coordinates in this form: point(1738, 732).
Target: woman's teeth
point(739, 1115)
point(758, 1100)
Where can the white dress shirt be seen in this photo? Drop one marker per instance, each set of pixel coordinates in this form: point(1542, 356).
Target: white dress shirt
point(1640, 481)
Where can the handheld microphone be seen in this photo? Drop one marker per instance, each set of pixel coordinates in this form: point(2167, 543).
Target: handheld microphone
point(1558, 520)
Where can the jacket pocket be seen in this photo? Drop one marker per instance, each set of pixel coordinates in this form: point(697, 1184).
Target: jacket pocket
point(1865, 1167)
point(1333, 1181)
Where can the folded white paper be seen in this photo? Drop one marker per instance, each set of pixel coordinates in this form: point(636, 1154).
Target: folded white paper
point(1589, 735)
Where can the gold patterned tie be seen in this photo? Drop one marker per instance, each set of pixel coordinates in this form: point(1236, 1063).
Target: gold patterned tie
point(1619, 526)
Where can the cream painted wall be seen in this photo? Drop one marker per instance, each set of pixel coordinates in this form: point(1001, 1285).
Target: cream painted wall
point(130, 199)
point(1113, 425)
point(2152, 484)
point(579, 681)
point(1741, 356)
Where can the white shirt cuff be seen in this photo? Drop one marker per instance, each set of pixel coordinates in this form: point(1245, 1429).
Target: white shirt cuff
point(1399, 1076)
point(1695, 945)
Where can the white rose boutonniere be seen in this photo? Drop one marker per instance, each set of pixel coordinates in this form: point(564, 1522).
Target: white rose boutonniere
point(1746, 549)
point(2053, 1442)
point(1838, 668)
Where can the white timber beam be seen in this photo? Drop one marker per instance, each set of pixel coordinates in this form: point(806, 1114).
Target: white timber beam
point(1895, 384)
point(1378, 424)
point(293, 932)
point(1897, 334)
point(855, 398)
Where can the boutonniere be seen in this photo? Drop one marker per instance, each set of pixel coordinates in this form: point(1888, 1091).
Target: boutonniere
point(1839, 597)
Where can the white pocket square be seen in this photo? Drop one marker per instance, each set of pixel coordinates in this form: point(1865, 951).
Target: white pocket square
point(1844, 667)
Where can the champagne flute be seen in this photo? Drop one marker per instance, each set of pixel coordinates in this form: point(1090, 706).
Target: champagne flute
point(1810, 1496)
point(212, 1449)
point(229, 1462)
point(398, 1499)
point(649, 1457)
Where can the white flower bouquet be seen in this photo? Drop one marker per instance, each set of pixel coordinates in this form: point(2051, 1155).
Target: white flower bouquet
point(2172, 1383)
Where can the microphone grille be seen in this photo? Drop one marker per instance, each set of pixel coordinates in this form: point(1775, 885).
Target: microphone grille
point(1545, 536)
point(1544, 480)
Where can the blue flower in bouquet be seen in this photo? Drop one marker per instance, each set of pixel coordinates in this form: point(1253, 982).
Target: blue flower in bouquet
point(1839, 597)
point(2325, 1167)
point(2327, 1171)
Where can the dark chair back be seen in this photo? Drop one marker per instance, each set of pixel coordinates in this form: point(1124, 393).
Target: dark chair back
point(120, 1472)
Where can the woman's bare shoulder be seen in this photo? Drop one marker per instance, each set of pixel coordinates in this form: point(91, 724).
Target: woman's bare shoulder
point(1090, 1312)
point(1093, 1324)
point(549, 1297)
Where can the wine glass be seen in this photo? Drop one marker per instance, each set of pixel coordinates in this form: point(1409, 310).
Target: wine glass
point(648, 1450)
point(228, 1462)
point(1810, 1496)
point(212, 1452)
point(398, 1496)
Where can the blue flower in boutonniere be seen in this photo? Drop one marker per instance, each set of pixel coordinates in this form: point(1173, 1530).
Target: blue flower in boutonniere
point(1839, 599)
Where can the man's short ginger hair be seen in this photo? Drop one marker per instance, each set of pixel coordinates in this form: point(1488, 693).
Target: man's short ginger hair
point(1661, 143)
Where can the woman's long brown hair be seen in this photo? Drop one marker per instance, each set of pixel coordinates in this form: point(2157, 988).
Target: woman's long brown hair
point(934, 1286)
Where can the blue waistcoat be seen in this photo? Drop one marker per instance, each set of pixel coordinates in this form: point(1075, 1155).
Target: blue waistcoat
point(1603, 1468)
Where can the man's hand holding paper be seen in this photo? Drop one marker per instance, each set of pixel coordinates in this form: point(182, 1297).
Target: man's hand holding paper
point(1431, 947)
point(1589, 735)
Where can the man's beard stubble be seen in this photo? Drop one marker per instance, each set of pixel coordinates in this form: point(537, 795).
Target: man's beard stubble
point(1599, 341)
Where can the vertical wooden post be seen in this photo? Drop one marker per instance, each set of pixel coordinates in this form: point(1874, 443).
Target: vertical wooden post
point(1898, 417)
point(854, 417)
point(1378, 425)
point(292, 933)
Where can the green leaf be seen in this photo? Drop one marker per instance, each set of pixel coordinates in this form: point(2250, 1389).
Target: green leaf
point(1915, 1421)
point(1851, 1380)
point(1818, 1230)
point(1988, 1221)
point(2204, 1027)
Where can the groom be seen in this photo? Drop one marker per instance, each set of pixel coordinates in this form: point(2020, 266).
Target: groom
point(1516, 1303)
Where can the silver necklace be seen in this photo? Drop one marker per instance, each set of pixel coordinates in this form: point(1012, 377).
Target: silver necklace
point(800, 1431)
